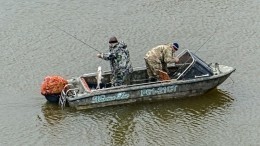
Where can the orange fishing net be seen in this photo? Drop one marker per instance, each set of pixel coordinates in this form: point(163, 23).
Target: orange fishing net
point(163, 76)
point(53, 85)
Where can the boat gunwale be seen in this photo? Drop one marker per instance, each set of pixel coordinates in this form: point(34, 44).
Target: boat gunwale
point(129, 88)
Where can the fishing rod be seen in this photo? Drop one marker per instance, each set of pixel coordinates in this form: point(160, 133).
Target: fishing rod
point(75, 38)
point(206, 41)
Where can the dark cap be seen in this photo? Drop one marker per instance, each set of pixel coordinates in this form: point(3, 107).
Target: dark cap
point(113, 40)
point(175, 46)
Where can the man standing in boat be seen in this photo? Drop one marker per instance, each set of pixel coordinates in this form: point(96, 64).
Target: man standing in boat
point(157, 58)
point(120, 63)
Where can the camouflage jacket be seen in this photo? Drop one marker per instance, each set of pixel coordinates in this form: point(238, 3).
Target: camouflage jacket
point(161, 54)
point(119, 58)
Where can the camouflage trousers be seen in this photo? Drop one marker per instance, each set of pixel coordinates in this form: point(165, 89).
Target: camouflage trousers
point(120, 78)
point(154, 67)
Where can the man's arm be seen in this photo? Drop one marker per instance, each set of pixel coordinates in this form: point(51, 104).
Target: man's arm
point(169, 56)
point(106, 56)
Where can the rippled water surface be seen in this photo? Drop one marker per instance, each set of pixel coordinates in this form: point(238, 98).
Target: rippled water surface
point(32, 48)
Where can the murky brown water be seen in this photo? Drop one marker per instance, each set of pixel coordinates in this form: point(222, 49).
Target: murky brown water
point(31, 48)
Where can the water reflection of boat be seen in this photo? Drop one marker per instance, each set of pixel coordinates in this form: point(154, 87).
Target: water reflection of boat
point(214, 101)
point(190, 77)
point(120, 122)
point(53, 114)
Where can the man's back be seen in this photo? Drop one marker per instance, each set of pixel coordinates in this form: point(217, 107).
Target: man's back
point(157, 53)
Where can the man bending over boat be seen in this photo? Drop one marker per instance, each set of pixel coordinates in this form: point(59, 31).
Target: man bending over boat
point(120, 63)
point(157, 58)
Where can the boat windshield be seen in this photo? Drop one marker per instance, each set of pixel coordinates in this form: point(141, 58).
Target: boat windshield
point(191, 66)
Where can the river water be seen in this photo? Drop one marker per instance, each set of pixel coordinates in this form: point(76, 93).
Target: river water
point(32, 48)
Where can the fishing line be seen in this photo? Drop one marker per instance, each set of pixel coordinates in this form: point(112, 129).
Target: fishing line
point(237, 51)
point(232, 80)
point(75, 38)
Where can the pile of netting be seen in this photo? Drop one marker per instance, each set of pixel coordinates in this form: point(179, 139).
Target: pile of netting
point(53, 85)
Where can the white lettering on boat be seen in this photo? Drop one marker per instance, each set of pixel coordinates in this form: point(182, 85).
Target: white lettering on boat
point(104, 98)
point(158, 90)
